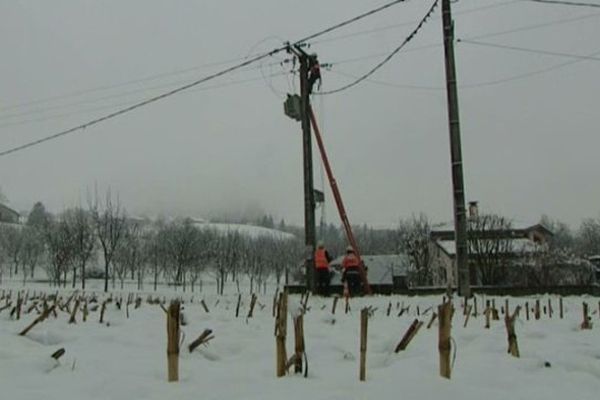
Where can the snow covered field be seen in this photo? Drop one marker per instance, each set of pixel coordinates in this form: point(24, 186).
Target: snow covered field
point(126, 358)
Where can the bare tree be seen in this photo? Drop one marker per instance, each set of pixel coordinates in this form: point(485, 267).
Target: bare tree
point(414, 240)
point(80, 224)
point(490, 247)
point(129, 255)
point(227, 257)
point(156, 251)
point(109, 224)
point(60, 251)
point(13, 246)
point(588, 237)
point(32, 249)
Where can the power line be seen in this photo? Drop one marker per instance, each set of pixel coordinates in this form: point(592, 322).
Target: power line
point(393, 26)
point(388, 58)
point(567, 3)
point(199, 81)
point(121, 104)
point(481, 84)
point(527, 50)
point(94, 100)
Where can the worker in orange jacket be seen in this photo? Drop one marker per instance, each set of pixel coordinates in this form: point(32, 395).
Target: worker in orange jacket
point(322, 260)
point(350, 274)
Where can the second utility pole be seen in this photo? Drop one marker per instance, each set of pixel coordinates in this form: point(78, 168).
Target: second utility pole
point(460, 215)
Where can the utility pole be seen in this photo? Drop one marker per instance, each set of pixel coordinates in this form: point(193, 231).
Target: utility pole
point(309, 199)
point(460, 215)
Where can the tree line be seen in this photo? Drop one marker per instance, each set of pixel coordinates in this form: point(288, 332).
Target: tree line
point(101, 241)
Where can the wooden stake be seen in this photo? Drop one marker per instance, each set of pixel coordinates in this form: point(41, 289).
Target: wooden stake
point(252, 304)
point(527, 310)
point(299, 342)
point(39, 319)
point(537, 309)
point(389, 309)
point(550, 308)
point(335, 301)
point(509, 321)
point(280, 333)
point(74, 312)
point(560, 306)
point(237, 307)
point(475, 306)
point(412, 331)
point(444, 347)
point(433, 317)
point(586, 318)
point(173, 340)
point(364, 321)
point(203, 303)
point(204, 337)
point(487, 313)
point(102, 309)
point(467, 315)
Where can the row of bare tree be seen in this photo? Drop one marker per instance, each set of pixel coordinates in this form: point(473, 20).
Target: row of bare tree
point(102, 242)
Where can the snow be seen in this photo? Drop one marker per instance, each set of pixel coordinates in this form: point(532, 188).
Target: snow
point(126, 358)
point(251, 231)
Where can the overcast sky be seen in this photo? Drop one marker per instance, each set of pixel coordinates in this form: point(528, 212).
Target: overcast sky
point(530, 121)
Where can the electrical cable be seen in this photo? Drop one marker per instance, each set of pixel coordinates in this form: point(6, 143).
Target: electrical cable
point(386, 59)
point(199, 81)
point(121, 104)
point(528, 50)
point(393, 26)
point(96, 100)
point(566, 3)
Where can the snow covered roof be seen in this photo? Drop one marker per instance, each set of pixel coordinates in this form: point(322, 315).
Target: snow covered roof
point(381, 268)
point(518, 245)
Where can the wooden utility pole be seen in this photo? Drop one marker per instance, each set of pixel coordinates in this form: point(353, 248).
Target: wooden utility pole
point(460, 216)
point(309, 200)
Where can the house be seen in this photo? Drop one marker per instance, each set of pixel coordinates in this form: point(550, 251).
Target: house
point(491, 243)
point(8, 215)
point(595, 260)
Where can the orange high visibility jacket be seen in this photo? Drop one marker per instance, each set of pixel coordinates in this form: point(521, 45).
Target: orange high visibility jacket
point(321, 259)
point(350, 261)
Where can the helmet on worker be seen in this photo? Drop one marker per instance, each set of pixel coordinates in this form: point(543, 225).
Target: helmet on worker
point(349, 249)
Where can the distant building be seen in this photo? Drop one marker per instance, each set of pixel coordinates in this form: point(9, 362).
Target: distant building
point(8, 215)
point(595, 260)
point(518, 242)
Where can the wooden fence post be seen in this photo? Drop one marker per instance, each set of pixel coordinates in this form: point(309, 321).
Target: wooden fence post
point(432, 320)
point(586, 318)
point(560, 306)
point(364, 321)
point(444, 347)
point(299, 342)
point(280, 333)
point(509, 321)
point(173, 340)
point(252, 305)
point(467, 315)
point(412, 331)
point(537, 309)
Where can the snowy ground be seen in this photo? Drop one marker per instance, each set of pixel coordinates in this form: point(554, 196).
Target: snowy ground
point(126, 358)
